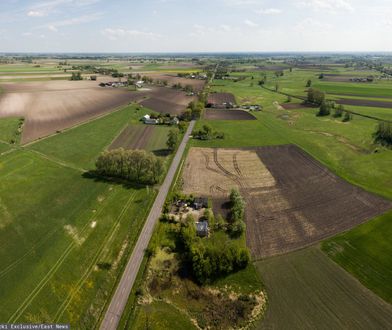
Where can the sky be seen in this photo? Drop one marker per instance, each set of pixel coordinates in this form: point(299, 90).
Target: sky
point(195, 25)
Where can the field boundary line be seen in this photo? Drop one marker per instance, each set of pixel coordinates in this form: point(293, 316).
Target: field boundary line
point(57, 161)
point(12, 265)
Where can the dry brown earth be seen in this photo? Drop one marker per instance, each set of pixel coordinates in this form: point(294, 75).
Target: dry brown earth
point(292, 200)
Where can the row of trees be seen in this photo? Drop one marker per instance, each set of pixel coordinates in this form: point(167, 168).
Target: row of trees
point(193, 111)
point(209, 262)
point(327, 107)
point(137, 166)
point(76, 76)
point(237, 213)
point(207, 133)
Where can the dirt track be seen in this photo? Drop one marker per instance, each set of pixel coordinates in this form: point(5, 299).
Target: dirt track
point(292, 200)
point(214, 114)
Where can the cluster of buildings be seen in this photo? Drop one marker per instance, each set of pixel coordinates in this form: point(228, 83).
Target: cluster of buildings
point(253, 107)
point(197, 205)
point(114, 84)
point(153, 120)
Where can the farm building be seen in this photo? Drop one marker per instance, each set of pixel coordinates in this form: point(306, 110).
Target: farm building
point(200, 203)
point(139, 84)
point(202, 228)
point(150, 121)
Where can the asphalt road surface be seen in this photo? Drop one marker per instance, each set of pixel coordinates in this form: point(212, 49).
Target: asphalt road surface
point(120, 297)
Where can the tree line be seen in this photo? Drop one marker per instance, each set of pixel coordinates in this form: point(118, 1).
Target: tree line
point(138, 166)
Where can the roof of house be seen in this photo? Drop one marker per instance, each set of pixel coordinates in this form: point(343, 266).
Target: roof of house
point(202, 226)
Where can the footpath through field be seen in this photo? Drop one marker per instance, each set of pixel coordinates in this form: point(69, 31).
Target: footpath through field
point(120, 297)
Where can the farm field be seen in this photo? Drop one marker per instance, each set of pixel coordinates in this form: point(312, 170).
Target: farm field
point(347, 149)
point(52, 107)
point(220, 98)
point(307, 290)
point(287, 193)
point(366, 252)
point(150, 138)
point(167, 100)
point(215, 114)
point(70, 236)
point(173, 79)
point(79, 146)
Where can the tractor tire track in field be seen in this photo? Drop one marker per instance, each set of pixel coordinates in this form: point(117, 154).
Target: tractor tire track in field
point(235, 164)
point(14, 264)
point(100, 253)
point(29, 299)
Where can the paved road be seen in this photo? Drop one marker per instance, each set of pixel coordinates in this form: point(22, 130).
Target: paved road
point(120, 297)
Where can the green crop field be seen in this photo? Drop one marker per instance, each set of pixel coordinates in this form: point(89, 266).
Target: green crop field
point(307, 290)
point(366, 253)
point(71, 233)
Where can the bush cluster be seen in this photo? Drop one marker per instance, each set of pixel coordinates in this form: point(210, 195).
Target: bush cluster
point(210, 262)
point(137, 166)
point(383, 134)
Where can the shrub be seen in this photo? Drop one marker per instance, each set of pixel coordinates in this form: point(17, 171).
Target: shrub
point(383, 134)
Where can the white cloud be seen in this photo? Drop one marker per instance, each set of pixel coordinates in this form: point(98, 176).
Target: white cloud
point(116, 34)
point(268, 11)
point(250, 23)
point(330, 5)
point(44, 8)
point(36, 13)
point(27, 34)
point(52, 28)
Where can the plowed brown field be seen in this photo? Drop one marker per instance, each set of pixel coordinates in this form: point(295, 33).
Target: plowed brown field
point(292, 200)
point(52, 106)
